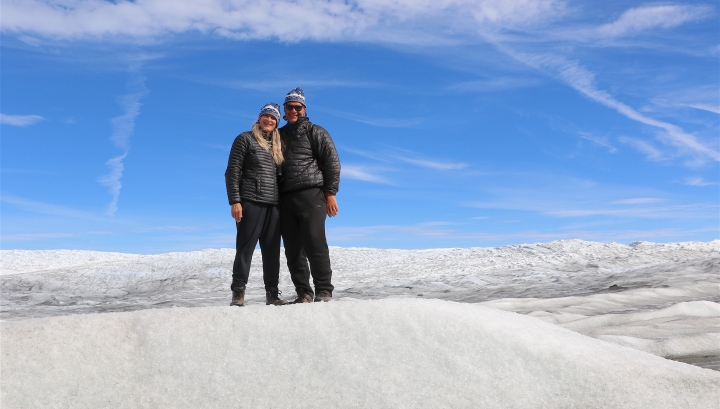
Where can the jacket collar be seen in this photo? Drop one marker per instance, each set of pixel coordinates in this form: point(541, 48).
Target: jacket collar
point(299, 125)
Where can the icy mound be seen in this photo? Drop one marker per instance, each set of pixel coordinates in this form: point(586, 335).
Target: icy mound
point(21, 261)
point(356, 354)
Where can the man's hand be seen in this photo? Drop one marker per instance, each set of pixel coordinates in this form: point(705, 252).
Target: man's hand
point(236, 212)
point(331, 206)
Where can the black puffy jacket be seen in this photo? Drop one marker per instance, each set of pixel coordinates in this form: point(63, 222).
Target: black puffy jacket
point(310, 158)
point(251, 172)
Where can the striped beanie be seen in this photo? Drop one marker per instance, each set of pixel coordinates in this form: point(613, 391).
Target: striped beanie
point(271, 108)
point(295, 95)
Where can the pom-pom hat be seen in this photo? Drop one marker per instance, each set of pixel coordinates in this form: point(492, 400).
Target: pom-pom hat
point(296, 95)
point(271, 108)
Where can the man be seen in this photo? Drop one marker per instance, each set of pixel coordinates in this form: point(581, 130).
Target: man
point(310, 180)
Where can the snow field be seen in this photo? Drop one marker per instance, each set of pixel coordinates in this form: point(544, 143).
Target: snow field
point(407, 350)
point(393, 353)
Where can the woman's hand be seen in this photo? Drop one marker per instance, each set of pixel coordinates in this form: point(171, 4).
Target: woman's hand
point(236, 212)
point(331, 206)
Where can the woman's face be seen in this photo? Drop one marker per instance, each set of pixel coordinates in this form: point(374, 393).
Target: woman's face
point(267, 123)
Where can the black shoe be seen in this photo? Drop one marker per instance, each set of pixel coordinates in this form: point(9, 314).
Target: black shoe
point(272, 297)
point(303, 298)
point(238, 298)
point(323, 296)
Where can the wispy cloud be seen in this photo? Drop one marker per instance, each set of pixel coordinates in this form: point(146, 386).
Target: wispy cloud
point(34, 236)
point(20, 120)
point(123, 129)
point(638, 200)
point(358, 172)
point(286, 20)
point(46, 208)
point(409, 236)
point(494, 84)
point(655, 16)
point(706, 107)
point(644, 212)
point(651, 152)
point(432, 164)
point(113, 181)
point(405, 156)
point(582, 80)
point(698, 181)
point(26, 171)
point(379, 122)
point(285, 84)
point(704, 98)
point(598, 141)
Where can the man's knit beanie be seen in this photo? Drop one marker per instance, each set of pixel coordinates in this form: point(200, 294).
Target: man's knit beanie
point(296, 95)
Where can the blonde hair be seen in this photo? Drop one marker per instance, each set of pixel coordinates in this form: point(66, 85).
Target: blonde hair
point(276, 143)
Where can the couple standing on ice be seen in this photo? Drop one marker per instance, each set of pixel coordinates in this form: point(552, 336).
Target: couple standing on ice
point(283, 181)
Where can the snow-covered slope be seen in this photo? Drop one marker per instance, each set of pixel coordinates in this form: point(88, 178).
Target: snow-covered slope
point(659, 298)
point(398, 353)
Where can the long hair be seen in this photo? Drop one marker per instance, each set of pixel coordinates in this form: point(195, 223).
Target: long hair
point(276, 143)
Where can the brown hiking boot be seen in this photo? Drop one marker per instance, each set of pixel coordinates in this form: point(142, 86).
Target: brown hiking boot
point(272, 297)
point(323, 296)
point(303, 298)
point(238, 298)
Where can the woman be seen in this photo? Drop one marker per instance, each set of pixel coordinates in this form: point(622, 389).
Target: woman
point(252, 188)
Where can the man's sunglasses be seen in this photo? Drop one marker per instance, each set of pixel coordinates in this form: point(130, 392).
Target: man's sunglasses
point(298, 108)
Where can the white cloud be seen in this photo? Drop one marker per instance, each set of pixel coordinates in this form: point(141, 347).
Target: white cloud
point(698, 181)
point(493, 84)
point(32, 41)
point(286, 20)
point(649, 17)
point(112, 181)
point(35, 236)
point(20, 120)
point(400, 233)
point(361, 173)
point(583, 81)
point(286, 84)
point(379, 122)
point(431, 164)
point(45, 208)
point(635, 212)
point(706, 107)
point(123, 128)
point(599, 141)
point(646, 148)
point(639, 200)
point(124, 125)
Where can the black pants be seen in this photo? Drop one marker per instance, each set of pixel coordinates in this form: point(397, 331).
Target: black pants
point(259, 221)
point(302, 217)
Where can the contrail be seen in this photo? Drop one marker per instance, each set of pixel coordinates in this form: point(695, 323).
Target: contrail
point(123, 128)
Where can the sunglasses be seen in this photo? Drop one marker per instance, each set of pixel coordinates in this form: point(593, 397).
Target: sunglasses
point(297, 108)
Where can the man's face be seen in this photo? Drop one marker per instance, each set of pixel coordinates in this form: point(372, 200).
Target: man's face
point(293, 111)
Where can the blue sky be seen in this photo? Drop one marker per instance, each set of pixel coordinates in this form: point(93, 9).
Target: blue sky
point(458, 123)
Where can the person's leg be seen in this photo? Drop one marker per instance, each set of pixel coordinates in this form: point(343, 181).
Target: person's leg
point(248, 233)
point(314, 242)
point(296, 260)
point(270, 248)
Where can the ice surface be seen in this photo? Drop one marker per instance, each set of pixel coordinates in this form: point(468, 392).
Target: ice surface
point(393, 353)
point(657, 298)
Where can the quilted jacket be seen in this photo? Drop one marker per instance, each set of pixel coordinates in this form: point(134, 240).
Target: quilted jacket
point(251, 172)
point(310, 158)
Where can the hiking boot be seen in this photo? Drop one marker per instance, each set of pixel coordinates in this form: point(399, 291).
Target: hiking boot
point(303, 298)
point(238, 298)
point(323, 296)
point(272, 297)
